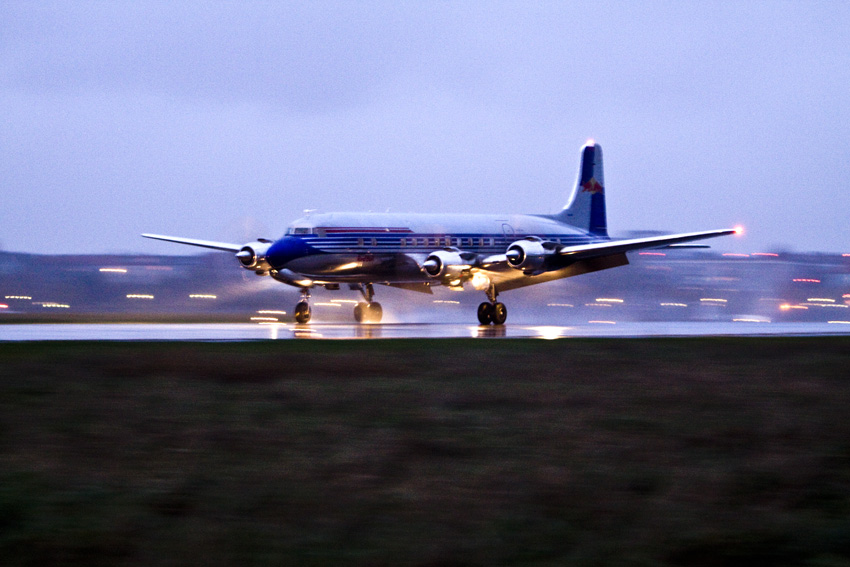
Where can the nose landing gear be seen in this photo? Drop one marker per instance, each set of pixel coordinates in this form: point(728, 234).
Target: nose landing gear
point(302, 308)
point(493, 311)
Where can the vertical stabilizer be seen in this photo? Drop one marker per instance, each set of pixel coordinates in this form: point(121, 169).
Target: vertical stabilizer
point(586, 208)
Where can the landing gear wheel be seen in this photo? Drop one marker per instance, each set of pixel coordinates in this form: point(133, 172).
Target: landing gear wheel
point(376, 312)
point(500, 313)
point(360, 312)
point(485, 313)
point(368, 312)
point(302, 312)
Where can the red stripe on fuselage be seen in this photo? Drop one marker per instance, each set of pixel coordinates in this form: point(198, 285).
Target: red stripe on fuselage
point(386, 230)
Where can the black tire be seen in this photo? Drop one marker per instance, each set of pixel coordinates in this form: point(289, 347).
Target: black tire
point(485, 313)
point(500, 313)
point(376, 312)
point(302, 312)
point(361, 312)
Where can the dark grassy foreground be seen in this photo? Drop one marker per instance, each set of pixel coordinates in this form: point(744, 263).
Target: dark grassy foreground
point(456, 452)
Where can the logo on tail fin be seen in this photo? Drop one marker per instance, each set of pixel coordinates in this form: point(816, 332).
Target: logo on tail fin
point(592, 186)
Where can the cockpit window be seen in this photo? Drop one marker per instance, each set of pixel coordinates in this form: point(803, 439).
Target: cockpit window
point(301, 230)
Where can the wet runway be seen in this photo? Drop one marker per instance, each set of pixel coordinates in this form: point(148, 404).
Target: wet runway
point(278, 331)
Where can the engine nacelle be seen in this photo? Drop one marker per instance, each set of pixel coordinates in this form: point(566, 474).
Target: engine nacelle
point(528, 255)
point(445, 264)
point(252, 256)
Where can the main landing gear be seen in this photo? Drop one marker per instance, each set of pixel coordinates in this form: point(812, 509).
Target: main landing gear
point(368, 311)
point(493, 311)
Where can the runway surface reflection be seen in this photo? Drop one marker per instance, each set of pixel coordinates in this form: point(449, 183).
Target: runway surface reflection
point(278, 331)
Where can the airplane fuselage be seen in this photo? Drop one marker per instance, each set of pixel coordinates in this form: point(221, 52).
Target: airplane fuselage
point(391, 247)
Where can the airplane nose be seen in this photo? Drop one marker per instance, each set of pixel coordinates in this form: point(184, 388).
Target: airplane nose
point(285, 250)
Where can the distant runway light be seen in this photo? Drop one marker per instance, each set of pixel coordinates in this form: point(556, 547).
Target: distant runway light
point(270, 312)
point(603, 322)
point(114, 270)
point(139, 296)
point(202, 296)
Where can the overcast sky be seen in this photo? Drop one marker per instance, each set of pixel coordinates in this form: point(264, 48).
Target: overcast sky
point(224, 121)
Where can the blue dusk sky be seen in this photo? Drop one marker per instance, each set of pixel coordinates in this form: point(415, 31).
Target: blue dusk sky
point(225, 120)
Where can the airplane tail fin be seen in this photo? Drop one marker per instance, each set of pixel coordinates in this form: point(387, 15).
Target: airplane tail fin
point(586, 208)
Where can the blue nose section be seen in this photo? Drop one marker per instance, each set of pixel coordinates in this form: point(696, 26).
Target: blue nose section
point(285, 250)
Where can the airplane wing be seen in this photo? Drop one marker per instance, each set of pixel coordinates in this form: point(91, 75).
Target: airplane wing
point(619, 246)
point(587, 258)
point(202, 243)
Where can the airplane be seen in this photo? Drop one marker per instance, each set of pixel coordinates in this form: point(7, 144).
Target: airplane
point(492, 253)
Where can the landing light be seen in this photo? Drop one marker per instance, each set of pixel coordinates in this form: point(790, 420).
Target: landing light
point(3, 306)
point(739, 230)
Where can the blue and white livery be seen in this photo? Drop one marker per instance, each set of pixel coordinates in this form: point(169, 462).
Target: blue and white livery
point(489, 253)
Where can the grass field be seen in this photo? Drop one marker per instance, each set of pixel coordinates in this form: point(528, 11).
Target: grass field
point(432, 452)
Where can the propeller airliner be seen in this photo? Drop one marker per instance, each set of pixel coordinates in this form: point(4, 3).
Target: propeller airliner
point(489, 253)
